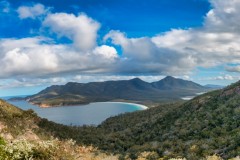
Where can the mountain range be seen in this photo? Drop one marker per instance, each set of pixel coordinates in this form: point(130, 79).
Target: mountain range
point(136, 90)
point(206, 127)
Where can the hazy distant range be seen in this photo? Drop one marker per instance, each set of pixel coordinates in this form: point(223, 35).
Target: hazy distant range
point(134, 90)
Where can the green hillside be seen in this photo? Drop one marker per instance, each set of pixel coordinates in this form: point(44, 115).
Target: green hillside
point(21, 138)
point(206, 125)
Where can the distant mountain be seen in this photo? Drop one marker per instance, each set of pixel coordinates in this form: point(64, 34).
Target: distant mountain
point(171, 83)
point(169, 88)
point(213, 86)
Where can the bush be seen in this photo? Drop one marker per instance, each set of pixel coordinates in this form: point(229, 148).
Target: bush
point(24, 150)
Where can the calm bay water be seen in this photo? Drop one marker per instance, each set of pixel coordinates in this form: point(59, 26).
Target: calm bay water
point(91, 114)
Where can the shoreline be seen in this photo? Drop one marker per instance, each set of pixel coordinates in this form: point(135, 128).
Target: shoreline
point(134, 104)
point(187, 98)
point(49, 106)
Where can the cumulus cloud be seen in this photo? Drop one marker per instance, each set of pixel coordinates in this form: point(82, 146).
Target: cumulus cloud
point(26, 56)
point(37, 57)
point(176, 52)
point(224, 16)
point(142, 55)
point(41, 56)
point(81, 29)
point(181, 51)
point(106, 52)
point(33, 11)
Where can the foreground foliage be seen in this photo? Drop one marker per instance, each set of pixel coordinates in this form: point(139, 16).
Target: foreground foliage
point(22, 139)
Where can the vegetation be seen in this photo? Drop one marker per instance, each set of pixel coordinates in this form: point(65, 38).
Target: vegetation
point(22, 139)
point(207, 127)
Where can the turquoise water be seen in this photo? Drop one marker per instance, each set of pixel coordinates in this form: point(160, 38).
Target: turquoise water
point(91, 114)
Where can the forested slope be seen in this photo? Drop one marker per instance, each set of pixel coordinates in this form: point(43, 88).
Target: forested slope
point(207, 125)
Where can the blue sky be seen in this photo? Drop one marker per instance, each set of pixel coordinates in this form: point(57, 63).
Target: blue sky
point(46, 42)
point(136, 18)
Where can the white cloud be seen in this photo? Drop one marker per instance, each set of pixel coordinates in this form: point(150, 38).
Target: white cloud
point(180, 51)
point(225, 77)
point(233, 68)
point(33, 11)
point(26, 56)
point(177, 52)
point(41, 56)
point(81, 29)
point(107, 52)
point(186, 77)
point(31, 82)
point(11, 43)
point(224, 16)
point(142, 55)
point(117, 38)
point(38, 57)
point(101, 78)
point(175, 37)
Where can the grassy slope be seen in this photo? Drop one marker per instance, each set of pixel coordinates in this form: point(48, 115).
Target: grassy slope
point(22, 138)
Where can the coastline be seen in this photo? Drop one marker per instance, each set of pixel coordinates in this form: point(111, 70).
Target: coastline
point(143, 107)
point(49, 106)
point(43, 105)
point(134, 104)
point(187, 98)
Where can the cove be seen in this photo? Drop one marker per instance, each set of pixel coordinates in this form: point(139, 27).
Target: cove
point(90, 114)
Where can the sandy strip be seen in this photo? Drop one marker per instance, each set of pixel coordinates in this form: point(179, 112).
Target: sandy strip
point(134, 104)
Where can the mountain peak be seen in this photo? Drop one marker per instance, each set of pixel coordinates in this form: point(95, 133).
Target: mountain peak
point(172, 83)
point(136, 79)
point(169, 78)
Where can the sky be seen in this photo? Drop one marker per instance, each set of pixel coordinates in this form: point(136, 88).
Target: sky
point(45, 43)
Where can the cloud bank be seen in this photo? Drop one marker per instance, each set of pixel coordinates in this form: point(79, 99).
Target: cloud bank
point(176, 52)
point(181, 51)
